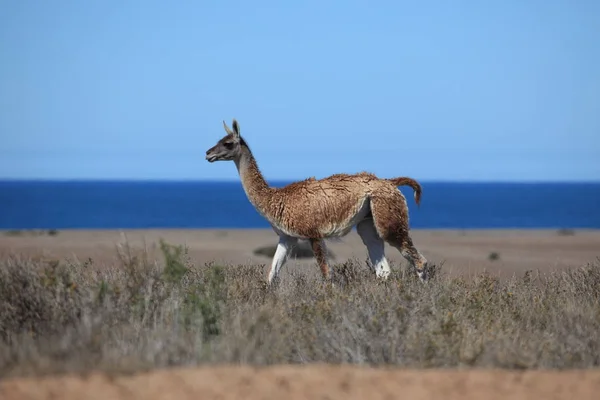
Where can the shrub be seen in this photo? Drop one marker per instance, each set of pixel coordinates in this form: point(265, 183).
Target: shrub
point(61, 316)
point(302, 249)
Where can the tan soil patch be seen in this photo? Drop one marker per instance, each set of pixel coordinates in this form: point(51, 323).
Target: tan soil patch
point(311, 382)
point(464, 252)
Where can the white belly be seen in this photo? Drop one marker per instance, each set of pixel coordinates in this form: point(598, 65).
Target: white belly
point(342, 228)
point(331, 229)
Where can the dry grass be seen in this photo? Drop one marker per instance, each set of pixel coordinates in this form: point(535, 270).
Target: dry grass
point(75, 317)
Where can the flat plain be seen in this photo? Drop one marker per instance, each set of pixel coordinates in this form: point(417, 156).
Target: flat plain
point(464, 252)
point(481, 331)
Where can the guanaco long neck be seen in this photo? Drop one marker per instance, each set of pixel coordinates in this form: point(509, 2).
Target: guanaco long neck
point(256, 187)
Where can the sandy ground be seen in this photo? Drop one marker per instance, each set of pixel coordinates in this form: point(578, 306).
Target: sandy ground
point(311, 382)
point(463, 252)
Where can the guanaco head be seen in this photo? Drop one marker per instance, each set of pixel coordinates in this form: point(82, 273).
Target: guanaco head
point(229, 147)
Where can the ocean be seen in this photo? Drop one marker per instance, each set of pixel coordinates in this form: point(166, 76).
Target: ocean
point(208, 204)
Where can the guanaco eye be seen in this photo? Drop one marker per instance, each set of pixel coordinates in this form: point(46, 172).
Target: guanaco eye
point(228, 145)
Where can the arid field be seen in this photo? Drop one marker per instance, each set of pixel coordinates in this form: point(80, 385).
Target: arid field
point(186, 314)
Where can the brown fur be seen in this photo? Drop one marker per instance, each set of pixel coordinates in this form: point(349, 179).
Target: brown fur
point(319, 251)
point(404, 181)
point(318, 209)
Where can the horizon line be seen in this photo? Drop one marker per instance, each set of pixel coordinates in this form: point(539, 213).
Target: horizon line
point(288, 180)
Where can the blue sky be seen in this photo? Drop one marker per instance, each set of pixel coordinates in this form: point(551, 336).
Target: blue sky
point(496, 90)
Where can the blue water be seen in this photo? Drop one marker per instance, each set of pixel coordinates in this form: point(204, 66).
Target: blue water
point(61, 205)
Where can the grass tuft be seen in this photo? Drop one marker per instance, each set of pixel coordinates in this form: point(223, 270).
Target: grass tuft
point(76, 317)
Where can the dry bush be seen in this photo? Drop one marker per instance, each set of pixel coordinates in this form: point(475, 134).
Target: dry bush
point(301, 249)
point(142, 314)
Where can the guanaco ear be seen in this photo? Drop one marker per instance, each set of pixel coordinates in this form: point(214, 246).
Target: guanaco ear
point(236, 128)
point(229, 132)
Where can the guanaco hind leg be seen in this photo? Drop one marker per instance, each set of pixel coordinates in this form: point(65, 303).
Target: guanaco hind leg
point(390, 217)
point(375, 247)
